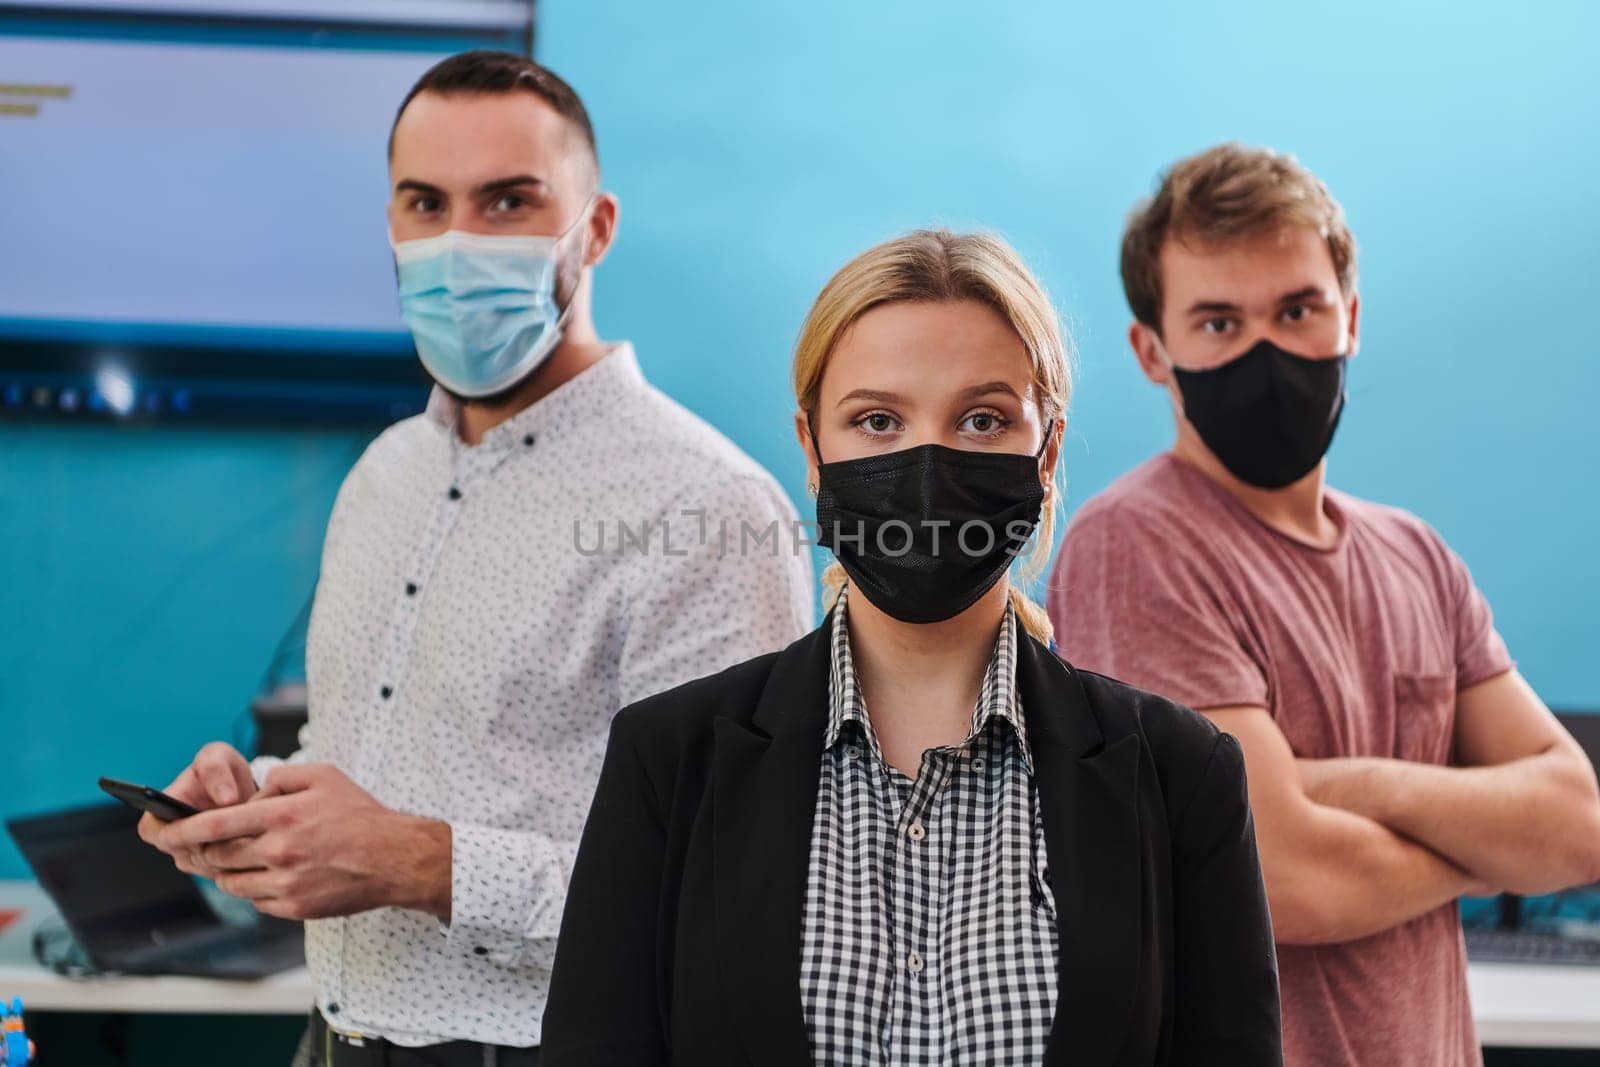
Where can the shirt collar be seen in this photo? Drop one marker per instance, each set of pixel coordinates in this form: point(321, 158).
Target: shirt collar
point(997, 697)
point(592, 394)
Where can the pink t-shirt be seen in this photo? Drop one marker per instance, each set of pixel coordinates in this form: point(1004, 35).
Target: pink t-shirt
point(1166, 582)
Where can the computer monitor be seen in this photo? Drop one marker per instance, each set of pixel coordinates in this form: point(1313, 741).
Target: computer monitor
point(192, 203)
point(1584, 726)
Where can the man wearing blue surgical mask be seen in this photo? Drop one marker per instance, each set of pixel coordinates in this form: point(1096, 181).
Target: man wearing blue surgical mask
point(500, 575)
point(494, 256)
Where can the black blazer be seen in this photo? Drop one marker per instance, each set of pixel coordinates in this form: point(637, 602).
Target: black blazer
point(681, 939)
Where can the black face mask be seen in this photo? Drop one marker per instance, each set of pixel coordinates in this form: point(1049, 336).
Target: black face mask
point(1269, 415)
point(927, 531)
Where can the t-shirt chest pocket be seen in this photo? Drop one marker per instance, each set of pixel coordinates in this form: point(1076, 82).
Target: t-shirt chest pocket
point(1424, 717)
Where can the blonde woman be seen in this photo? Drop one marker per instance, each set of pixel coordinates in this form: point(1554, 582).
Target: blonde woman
point(916, 836)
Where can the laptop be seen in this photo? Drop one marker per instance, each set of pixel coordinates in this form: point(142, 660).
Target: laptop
point(132, 911)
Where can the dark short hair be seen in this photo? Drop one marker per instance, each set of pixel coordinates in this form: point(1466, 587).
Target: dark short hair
point(484, 71)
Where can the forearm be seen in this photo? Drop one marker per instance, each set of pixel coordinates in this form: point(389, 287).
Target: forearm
point(421, 873)
point(1530, 826)
point(1345, 877)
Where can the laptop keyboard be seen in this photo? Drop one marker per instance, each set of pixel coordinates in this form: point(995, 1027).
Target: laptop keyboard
point(210, 951)
point(1522, 946)
point(247, 945)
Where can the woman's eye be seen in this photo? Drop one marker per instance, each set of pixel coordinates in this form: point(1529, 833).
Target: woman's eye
point(876, 423)
point(985, 422)
point(509, 202)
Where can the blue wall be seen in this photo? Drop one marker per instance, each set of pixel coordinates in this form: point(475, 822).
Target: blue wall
point(147, 574)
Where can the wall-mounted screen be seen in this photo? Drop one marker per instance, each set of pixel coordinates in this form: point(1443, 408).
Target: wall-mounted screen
point(192, 203)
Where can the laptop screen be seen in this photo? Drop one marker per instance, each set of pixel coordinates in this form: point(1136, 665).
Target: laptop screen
point(116, 892)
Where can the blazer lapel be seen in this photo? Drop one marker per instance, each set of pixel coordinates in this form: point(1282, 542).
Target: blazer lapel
point(764, 795)
point(1087, 796)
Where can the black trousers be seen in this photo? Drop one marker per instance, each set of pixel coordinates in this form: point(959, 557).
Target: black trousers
point(329, 1048)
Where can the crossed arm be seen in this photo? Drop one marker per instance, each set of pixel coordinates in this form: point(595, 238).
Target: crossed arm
point(1519, 811)
point(1351, 847)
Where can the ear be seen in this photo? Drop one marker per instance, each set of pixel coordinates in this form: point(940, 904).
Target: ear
point(1052, 455)
point(603, 218)
point(1353, 335)
point(802, 434)
point(1147, 350)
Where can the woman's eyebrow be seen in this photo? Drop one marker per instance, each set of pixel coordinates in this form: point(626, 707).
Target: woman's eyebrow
point(876, 395)
point(972, 392)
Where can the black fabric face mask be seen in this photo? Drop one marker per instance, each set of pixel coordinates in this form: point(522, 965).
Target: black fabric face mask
point(926, 531)
point(1269, 415)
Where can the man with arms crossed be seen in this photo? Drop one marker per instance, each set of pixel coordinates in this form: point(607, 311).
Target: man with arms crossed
point(476, 626)
point(1397, 760)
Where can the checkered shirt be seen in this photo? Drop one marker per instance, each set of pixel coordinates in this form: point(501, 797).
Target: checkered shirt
point(929, 931)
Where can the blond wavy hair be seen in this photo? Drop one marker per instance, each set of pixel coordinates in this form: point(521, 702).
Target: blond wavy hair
point(938, 266)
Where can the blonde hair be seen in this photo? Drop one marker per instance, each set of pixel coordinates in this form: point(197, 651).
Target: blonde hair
point(938, 266)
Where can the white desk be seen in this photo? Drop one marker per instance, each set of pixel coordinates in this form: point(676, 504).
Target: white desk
point(286, 993)
point(1531, 1006)
point(1515, 1004)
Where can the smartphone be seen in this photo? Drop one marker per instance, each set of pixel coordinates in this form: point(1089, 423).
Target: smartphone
point(144, 798)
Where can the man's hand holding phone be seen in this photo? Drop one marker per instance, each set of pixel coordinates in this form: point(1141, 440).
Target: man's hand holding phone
point(313, 844)
point(218, 777)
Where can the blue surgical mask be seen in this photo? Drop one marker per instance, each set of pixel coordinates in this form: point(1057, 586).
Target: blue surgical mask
point(481, 307)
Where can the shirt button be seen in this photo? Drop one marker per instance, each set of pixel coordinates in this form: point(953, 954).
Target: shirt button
point(479, 950)
point(916, 832)
point(454, 494)
point(528, 440)
point(852, 752)
point(914, 963)
point(978, 764)
point(386, 692)
point(333, 1009)
point(411, 589)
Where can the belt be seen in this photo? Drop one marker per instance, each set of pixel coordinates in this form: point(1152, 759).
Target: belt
point(339, 1048)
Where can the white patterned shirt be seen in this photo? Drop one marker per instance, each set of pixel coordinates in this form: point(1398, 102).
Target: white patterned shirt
point(481, 615)
point(929, 929)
